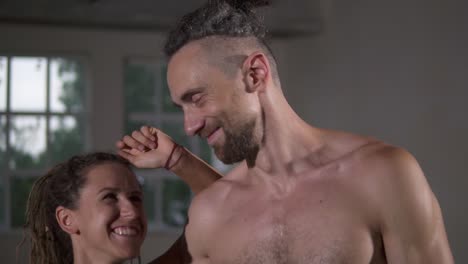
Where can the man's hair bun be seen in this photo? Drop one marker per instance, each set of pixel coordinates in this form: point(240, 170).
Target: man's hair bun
point(248, 4)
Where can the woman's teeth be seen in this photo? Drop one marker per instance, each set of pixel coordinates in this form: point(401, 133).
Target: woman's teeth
point(125, 231)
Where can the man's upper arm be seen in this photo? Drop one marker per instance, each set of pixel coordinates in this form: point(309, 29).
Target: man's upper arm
point(192, 245)
point(202, 222)
point(412, 225)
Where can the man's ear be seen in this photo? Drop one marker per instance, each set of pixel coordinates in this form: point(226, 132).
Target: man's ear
point(66, 220)
point(257, 71)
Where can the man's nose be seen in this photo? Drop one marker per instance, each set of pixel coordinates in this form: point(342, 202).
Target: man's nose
point(192, 124)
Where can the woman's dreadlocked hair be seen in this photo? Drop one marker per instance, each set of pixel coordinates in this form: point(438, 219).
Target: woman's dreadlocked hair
point(229, 18)
point(59, 187)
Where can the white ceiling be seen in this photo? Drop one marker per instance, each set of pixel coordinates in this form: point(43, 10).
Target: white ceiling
point(285, 18)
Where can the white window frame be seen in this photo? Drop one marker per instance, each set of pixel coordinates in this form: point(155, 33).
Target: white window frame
point(6, 172)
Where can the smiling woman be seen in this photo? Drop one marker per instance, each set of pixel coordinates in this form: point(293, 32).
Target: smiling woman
point(86, 210)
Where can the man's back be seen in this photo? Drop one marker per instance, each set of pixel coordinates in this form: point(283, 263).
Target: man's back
point(333, 212)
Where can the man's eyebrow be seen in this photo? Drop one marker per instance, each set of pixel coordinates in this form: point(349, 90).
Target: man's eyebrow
point(187, 96)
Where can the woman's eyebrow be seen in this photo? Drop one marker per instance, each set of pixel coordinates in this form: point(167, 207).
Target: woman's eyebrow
point(111, 189)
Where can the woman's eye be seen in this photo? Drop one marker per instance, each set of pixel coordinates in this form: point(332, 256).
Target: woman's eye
point(110, 196)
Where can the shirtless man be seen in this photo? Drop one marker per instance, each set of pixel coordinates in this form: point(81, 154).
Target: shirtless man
point(301, 195)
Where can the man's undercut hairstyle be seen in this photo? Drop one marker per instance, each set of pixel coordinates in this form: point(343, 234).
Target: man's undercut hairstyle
point(234, 18)
point(222, 20)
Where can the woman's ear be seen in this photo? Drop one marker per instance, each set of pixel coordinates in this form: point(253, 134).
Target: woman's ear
point(257, 71)
point(66, 220)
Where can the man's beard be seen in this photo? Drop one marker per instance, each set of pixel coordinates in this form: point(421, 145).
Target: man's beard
point(239, 145)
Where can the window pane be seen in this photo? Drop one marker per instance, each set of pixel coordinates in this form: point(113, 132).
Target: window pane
point(168, 105)
point(176, 131)
point(66, 137)
point(2, 141)
point(28, 142)
point(20, 188)
point(3, 82)
point(131, 125)
point(28, 84)
point(205, 151)
point(176, 200)
point(2, 168)
point(149, 201)
point(2, 204)
point(67, 84)
point(139, 87)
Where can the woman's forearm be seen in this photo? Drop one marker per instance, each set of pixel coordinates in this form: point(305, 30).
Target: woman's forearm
point(193, 171)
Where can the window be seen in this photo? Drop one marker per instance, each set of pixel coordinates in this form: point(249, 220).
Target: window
point(42, 122)
point(148, 102)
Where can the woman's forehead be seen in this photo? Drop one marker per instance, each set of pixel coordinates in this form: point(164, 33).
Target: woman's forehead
point(111, 174)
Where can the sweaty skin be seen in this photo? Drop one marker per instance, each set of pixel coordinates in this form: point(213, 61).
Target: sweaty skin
point(308, 195)
point(302, 195)
point(367, 202)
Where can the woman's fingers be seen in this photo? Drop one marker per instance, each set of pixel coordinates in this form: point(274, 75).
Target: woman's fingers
point(150, 132)
point(143, 140)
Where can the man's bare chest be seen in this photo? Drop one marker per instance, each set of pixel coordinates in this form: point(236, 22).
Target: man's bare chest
point(293, 231)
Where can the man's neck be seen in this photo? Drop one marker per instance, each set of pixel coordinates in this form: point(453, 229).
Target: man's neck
point(287, 138)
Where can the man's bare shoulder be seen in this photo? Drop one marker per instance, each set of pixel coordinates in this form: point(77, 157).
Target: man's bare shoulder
point(391, 176)
point(381, 165)
point(388, 160)
point(374, 163)
point(205, 211)
point(368, 150)
point(207, 203)
point(400, 199)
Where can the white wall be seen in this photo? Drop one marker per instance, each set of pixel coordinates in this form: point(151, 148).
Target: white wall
point(396, 70)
